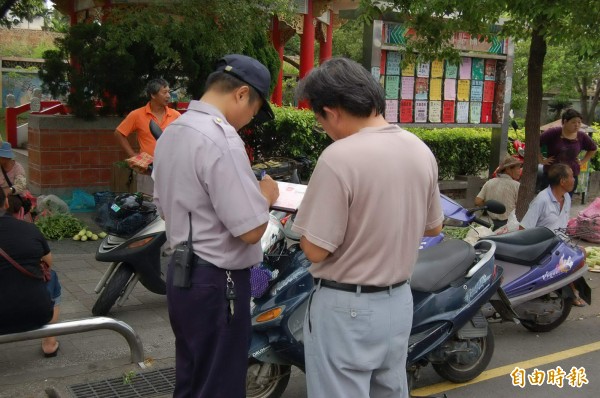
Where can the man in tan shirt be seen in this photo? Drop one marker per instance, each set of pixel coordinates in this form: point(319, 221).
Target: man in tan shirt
point(371, 198)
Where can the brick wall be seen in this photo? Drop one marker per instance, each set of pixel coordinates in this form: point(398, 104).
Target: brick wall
point(67, 153)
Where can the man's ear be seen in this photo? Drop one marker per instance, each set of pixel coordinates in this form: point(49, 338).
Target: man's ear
point(331, 114)
point(241, 92)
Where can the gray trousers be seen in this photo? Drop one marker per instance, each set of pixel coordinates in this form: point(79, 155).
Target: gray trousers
point(145, 184)
point(355, 345)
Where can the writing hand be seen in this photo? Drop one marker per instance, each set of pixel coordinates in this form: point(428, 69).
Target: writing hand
point(269, 189)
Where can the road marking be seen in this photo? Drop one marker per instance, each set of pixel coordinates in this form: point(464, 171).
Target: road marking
point(505, 370)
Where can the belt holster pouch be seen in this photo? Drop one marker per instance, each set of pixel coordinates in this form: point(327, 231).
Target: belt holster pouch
point(183, 260)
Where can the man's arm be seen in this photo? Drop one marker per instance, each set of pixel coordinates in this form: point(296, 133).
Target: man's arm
point(314, 253)
point(253, 236)
point(434, 231)
point(479, 201)
point(124, 143)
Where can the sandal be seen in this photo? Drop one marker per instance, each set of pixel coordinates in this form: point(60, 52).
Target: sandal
point(578, 302)
point(53, 353)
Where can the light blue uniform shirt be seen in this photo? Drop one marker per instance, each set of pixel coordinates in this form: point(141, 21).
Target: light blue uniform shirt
point(544, 211)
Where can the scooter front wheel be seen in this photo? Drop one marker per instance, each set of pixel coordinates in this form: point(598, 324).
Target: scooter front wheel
point(456, 371)
point(266, 380)
point(113, 289)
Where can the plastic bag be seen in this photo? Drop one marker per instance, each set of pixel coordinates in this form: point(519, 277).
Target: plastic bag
point(477, 233)
point(51, 204)
point(82, 201)
point(587, 224)
point(512, 224)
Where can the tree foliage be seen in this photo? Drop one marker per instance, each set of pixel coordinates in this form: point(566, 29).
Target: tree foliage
point(13, 12)
point(113, 60)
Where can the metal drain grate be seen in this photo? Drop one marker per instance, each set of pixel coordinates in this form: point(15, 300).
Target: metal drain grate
point(149, 384)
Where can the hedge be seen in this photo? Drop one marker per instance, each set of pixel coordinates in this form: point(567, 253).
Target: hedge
point(294, 133)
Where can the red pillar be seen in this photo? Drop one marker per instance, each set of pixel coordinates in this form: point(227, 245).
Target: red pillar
point(326, 47)
point(277, 96)
point(307, 46)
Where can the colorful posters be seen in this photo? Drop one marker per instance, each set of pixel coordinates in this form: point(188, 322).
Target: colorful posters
point(465, 68)
point(486, 112)
point(477, 69)
point(490, 69)
point(450, 89)
point(408, 70)
point(435, 111)
point(437, 68)
point(421, 88)
point(488, 91)
point(376, 72)
point(423, 69)
point(435, 89)
point(476, 90)
point(448, 112)
point(407, 90)
point(391, 111)
point(392, 64)
point(406, 111)
point(392, 85)
point(462, 90)
point(420, 111)
point(462, 112)
point(451, 71)
point(474, 112)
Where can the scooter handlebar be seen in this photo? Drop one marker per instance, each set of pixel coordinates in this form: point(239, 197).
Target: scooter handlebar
point(481, 222)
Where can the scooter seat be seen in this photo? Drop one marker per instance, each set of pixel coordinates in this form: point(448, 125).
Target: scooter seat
point(439, 265)
point(526, 247)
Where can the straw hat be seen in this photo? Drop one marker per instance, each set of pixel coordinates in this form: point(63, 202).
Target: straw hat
point(508, 162)
point(6, 151)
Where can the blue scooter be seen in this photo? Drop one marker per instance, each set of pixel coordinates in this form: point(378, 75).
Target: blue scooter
point(450, 284)
point(540, 269)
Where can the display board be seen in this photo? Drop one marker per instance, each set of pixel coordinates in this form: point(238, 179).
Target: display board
point(468, 92)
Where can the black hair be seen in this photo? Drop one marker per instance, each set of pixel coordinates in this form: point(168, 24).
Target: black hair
point(570, 114)
point(558, 172)
point(342, 83)
point(155, 85)
point(225, 83)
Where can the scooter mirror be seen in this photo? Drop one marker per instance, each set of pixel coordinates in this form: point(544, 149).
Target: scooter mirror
point(155, 130)
point(493, 206)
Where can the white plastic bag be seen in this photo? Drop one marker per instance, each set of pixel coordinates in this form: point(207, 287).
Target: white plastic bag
point(477, 233)
point(52, 204)
point(512, 224)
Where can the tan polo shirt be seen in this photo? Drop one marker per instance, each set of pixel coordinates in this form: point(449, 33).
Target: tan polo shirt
point(503, 189)
point(201, 166)
point(368, 202)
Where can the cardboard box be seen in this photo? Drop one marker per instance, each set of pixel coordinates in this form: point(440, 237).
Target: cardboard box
point(122, 178)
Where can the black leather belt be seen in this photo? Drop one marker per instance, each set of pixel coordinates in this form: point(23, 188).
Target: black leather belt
point(348, 287)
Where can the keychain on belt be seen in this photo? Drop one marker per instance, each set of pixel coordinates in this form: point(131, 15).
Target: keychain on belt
point(230, 292)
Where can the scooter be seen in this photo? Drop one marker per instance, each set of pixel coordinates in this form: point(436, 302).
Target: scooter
point(540, 268)
point(450, 284)
point(135, 254)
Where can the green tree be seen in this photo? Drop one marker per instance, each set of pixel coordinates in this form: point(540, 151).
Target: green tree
point(543, 22)
point(144, 42)
point(13, 12)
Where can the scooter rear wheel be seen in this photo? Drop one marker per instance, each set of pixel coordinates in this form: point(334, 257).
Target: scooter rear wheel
point(277, 378)
point(538, 326)
point(457, 372)
point(113, 289)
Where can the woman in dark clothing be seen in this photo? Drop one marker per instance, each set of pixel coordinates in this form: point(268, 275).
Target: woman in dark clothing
point(563, 145)
point(25, 301)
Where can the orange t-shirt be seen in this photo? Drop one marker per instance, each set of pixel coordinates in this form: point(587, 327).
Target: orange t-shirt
point(138, 121)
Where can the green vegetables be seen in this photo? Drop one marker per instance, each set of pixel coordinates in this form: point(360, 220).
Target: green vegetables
point(59, 226)
point(455, 232)
point(593, 258)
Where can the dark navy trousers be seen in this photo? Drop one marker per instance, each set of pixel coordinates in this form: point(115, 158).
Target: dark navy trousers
point(211, 346)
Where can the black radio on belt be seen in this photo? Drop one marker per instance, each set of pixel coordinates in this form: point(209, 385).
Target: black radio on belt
point(183, 259)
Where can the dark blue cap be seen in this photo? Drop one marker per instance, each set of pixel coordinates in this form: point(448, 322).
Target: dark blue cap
point(255, 74)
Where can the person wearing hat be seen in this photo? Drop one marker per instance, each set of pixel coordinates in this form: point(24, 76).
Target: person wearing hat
point(13, 179)
point(138, 121)
point(208, 195)
point(504, 188)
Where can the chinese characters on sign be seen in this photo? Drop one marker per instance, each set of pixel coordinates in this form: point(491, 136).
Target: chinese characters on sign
point(576, 377)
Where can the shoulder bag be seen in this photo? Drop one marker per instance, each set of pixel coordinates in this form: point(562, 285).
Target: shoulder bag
point(45, 268)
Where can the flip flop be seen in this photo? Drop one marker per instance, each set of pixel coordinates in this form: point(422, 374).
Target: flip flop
point(53, 353)
point(578, 302)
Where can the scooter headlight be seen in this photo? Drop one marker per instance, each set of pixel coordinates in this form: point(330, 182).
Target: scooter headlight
point(140, 242)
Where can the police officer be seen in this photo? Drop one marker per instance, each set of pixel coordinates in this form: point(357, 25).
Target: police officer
point(208, 194)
